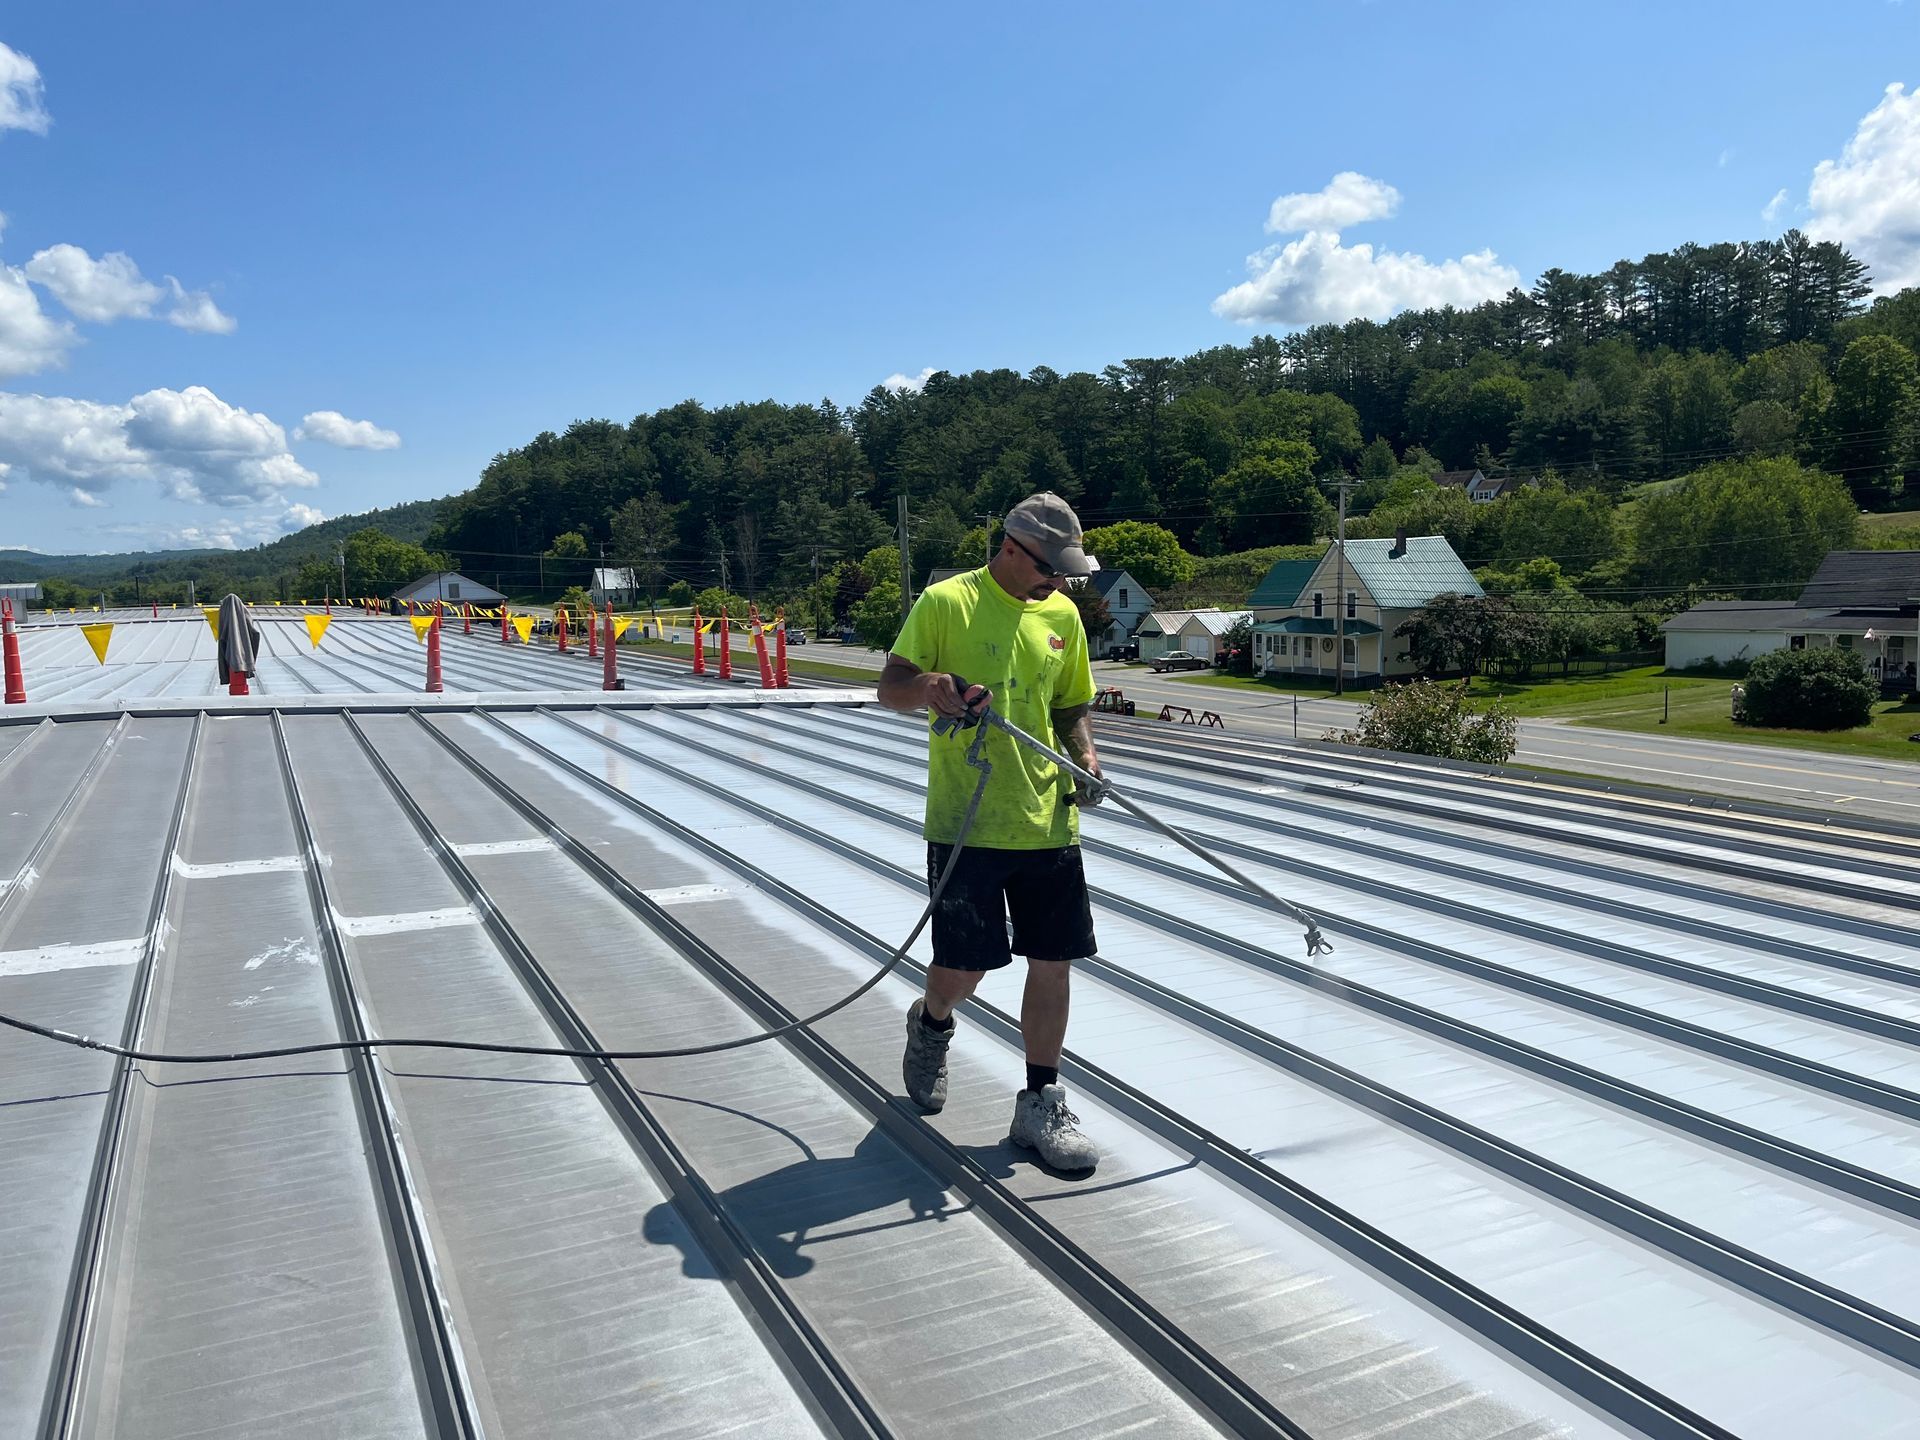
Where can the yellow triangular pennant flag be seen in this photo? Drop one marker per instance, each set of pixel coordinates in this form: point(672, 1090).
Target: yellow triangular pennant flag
point(212, 612)
point(620, 625)
point(316, 627)
point(421, 624)
point(523, 627)
point(97, 637)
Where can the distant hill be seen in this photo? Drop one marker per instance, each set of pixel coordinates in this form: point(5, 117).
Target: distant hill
point(32, 565)
point(409, 522)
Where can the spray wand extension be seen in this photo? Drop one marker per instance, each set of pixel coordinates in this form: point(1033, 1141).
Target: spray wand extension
point(1098, 785)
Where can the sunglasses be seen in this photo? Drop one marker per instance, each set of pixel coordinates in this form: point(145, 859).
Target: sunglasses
point(1046, 570)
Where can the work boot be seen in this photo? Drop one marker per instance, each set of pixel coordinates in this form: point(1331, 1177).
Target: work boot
point(1042, 1122)
point(923, 1069)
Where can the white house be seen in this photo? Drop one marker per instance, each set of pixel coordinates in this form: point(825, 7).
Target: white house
point(446, 585)
point(1385, 583)
point(616, 585)
point(1482, 488)
point(1190, 632)
point(1861, 600)
point(1127, 602)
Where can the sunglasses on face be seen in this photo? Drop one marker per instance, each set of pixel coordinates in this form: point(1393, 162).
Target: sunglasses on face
point(1046, 570)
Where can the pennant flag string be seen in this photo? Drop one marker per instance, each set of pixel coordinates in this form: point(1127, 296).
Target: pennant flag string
point(97, 637)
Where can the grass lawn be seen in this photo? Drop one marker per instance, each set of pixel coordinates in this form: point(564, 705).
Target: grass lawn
point(1284, 684)
point(1697, 708)
point(1702, 711)
point(852, 675)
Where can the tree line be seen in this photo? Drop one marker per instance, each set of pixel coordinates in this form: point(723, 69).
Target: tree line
point(1646, 372)
point(1612, 391)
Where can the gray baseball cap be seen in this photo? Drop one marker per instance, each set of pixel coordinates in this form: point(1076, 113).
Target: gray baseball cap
point(1046, 525)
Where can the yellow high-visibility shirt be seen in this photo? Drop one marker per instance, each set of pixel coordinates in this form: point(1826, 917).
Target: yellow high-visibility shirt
point(1032, 654)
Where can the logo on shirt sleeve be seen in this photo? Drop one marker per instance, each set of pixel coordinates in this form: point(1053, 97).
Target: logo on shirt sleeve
point(1056, 642)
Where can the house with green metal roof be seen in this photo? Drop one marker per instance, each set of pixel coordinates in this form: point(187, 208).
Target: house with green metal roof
point(1313, 617)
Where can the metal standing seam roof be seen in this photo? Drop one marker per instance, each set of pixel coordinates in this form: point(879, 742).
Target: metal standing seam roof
point(1599, 1121)
point(1281, 585)
point(1405, 582)
point(358, 655)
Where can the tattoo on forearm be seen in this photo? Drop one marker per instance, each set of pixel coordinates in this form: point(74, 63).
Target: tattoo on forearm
point(1075, 729)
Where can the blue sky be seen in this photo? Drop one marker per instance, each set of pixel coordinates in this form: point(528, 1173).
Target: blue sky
point(453, 226)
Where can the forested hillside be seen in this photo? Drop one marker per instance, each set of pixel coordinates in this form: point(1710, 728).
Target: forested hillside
point(1718, 415)
point(264, 572)
point(1596, 384)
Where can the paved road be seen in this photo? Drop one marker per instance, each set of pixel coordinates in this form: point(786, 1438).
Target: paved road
point(1886, 788)
point(1889, 789)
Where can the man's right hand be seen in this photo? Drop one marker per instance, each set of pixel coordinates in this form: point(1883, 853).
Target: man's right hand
point(944, 697)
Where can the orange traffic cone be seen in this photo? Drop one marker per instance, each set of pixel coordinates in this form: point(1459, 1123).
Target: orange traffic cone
point(16, 681)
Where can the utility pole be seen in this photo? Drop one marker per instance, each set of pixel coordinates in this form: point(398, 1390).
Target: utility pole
point(818, 629)
point(1340, 595)
point(343, 575)
point(726, 573)
point(906, 561)
point(986, 524)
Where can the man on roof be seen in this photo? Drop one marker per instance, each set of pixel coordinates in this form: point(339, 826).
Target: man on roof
point(1005, 634)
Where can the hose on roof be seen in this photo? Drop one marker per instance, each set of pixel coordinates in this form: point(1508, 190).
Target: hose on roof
point(982, 722)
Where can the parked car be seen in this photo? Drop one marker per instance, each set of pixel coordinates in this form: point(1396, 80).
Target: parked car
point(1179, 660)
point(795, 635)
point(1128, 651)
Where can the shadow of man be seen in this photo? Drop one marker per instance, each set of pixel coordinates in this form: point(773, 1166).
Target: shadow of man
point(817, 1201)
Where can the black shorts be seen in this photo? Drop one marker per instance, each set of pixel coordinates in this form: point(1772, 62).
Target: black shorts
point(1044, 891)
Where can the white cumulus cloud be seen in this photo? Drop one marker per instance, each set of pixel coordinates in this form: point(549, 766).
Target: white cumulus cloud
point(103, 290)
point(85, 498)
point(30, 339)
point(225, 530)
point(330, 427)
point(897, 382)
point(23, 104)
point(1316, 279)
point(1775, 208)
point(1350, 198)
point(195, 310)
point(190, 442)
point(1869, 199)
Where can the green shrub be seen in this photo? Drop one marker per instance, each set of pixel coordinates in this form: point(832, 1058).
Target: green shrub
point(1428, 718)
point(1809, 690)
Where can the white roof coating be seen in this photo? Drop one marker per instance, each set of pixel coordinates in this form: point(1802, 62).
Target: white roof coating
point(1599, 1121)
point(357, 654)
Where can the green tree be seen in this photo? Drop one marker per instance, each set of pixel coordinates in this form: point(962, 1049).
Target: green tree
point(1095, 616)
point(568, 545)
point(378, 564)
point(1742, 522)
point(1426, 718)
point(1456, 633)
point(876, 615)
point(644, 533)
point(1826, 689)
point(1269, 497)
point(1870, 422)
point(1150, 553)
